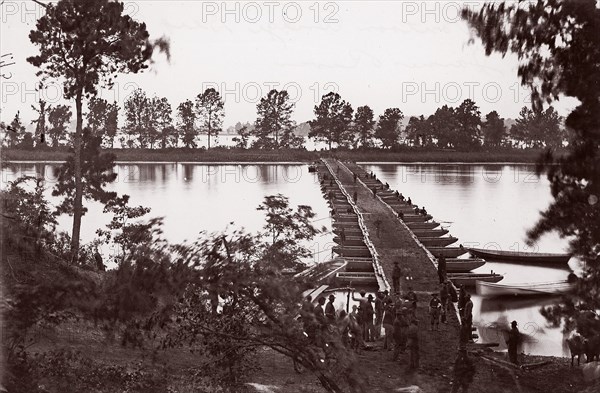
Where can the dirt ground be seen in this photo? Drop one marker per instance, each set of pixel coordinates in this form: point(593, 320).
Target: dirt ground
point(434, 375)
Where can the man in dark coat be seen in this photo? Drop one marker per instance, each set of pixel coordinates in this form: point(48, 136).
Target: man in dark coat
point(396, 274)
point(330, 311)
point(514, 338)
point(434, 311)
point(468, 315)
point(368, 315)
point(99, 262)
point(321, 321)
point(378, 314)
point(444, 299)
point(411, 296)
point(413, 344)
point(462, 300)
point(442, 268)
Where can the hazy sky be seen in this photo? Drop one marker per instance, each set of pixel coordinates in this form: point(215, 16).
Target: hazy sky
point(412, 55)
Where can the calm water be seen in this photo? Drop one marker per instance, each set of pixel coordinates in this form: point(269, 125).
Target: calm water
point(194, 198)
point(482, 205)
point(491, 206)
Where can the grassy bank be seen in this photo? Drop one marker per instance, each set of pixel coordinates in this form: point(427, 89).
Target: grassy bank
point(287, 155)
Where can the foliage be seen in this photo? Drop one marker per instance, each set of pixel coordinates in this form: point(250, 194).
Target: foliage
point(559, 48)
point(444, 126)
point(59, 118)
point(186, 122)
point(138, 119)
point(333, 117)
point(97, 173)
point(388, 127)
point(364, 125)
point(418, 131)
point(258, 308)
point(241, 141)
point(468, 118)
point(29, 210)
point(538, 128)
point(85, 44)
point(285, 229)
point(163, 122)
point(41, 129)
point(164, 295)
point(102, 119)
point(273, 125)
point(493, 130)
point(123, 231)
point(209, 112)
point(15, 137)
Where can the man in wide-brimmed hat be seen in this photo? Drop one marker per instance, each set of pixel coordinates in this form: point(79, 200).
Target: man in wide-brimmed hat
point(514, 337)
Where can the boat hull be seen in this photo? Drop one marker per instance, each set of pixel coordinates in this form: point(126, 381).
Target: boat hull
point(349, 231)
point(487, 289)
point(470, 279)
point(352, 251)
point(416, 218)
point(513, 256)
point(429, 232)
point(346, 218)
point(422, 225)
point(362, 278)
point(437, 241)
point(447, 252)
point(323, 272)
point(350, 241)
point(346, 225)
point(463, 265)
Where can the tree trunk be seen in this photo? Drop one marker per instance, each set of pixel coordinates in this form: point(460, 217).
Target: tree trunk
point(77, 203)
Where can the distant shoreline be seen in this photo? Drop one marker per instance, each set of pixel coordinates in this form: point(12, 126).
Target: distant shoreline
point(288, 156)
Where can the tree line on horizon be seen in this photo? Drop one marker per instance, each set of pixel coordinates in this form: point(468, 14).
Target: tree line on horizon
point(152, 123)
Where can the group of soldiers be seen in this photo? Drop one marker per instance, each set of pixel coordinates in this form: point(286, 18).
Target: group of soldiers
point(391, 318)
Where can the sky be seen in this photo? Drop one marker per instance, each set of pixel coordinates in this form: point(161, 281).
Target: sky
point(416, 56)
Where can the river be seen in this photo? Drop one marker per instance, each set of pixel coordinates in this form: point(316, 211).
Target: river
point(483, 205)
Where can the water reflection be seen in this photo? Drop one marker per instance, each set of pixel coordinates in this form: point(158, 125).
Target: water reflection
point(188, 172)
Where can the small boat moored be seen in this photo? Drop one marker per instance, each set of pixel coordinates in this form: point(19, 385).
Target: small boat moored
point(488, 289)
point(437, 241)
point(416, 218)
point(352, 251)
point(447, 252)
point(362, 278)
point(520, 256)
point(456, 265)
point(469, 279)
point(419, 233)
point(350, 241)
point(422, 225)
